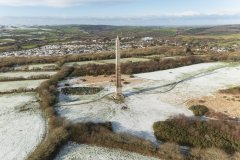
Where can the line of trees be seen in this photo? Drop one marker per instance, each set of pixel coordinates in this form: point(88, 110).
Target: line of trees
point(57, 132)
point(33, 77)
point(149, 66)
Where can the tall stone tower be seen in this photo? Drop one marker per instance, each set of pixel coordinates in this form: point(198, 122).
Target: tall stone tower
point(118, 94)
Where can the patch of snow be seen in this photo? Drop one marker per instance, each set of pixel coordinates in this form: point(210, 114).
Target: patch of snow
point(177, 90)
point(147, 38)
point(33, 66)
point(143, 111)
point(21, 128)
point(86, 152)
point(25, 74)
point(170, 75)
point(161, 96)
point(11, 85)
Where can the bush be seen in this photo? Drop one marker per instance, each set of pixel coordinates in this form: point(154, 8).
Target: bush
point(81, 90)
point(199, 110)
point(57, 133)
point(208, 154)
point(170, 151)
point(204, 134)
point(101, 134)
point(145, 66)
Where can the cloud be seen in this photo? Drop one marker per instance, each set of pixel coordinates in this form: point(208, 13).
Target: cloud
point(219, 12)
point(174, 15)
point(137, 21)
point(54, 3)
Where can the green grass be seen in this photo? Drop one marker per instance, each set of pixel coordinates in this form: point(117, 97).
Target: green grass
point(216, 37)
point(148, 31)
point(229, 44)
point(45, 35)
point(6, 40)
point(7, 48)
point(30, 46)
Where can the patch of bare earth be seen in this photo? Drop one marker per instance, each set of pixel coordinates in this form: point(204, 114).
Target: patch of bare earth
point(225, 103)
point(103, 80)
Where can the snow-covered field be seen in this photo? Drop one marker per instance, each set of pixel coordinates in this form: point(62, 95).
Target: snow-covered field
point(73, 151)
point(81, 63)
point(172, 75)
point(22, 126)
point(201, 81)
point(143, 111)
point(29, 84)
point(34, 66)
point(123, 60)
point(24, 74)
point(162, 94)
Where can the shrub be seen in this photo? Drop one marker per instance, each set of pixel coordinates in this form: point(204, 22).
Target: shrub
point(204, 134)
point(57, 133)
point(132, 76)
point(170, 151)
point(144, 66)
point(199, 110)
point(208, 154)
point(81, 90)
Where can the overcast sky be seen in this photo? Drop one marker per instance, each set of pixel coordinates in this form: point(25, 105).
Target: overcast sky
point(121, 12)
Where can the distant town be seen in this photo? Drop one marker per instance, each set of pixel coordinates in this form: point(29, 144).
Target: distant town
point(47, 41)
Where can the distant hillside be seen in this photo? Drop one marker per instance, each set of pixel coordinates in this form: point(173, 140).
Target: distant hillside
point(112, 31)
point(217, 30)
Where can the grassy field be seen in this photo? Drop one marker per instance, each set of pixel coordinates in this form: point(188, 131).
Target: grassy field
point(6, 48)
point(29, 38)
point(225, 37)
point(101, 62)
point(6, 40)
point(29, 46)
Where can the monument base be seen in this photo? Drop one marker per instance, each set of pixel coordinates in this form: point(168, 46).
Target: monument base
point(118, 98)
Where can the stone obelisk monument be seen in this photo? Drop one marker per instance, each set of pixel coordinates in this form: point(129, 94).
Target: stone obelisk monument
point(118, 94)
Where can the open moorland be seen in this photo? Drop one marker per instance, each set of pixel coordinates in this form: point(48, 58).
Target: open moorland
point(179, 102)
